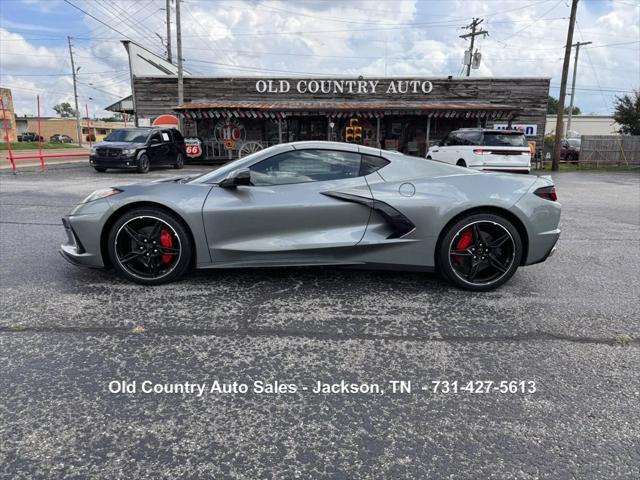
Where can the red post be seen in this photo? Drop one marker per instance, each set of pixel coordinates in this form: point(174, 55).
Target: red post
point(86, 107)
point(6, 135)
point(39, 137)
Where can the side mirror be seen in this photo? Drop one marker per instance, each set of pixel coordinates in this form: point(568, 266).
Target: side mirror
point(236, 178)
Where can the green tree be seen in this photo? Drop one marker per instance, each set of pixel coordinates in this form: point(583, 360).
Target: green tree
point(627, 113)
point(552, 107)
point(64, 110)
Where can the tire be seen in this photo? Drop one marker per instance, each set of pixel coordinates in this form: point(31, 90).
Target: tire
point(179, 162)
point(100, 169)
point(143, 163)
point(462, 163)
point(136, 257)
point(429, 157)
point(494, 264)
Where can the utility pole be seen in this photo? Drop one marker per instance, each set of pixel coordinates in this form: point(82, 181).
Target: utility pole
point(168, 9)
point(555, 161)
point(473, 35)
point(179, 53)
point(75, 93)
point(573, 82)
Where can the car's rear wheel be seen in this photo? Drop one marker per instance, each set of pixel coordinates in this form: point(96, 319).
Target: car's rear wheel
point(143, 163)
point(179, 162)
point(150, 246)
point(100, 169)
point(479, 252)
point(461, 163)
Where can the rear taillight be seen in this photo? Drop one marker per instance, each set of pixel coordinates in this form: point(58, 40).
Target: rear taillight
point(480, 151)
point(548, 193)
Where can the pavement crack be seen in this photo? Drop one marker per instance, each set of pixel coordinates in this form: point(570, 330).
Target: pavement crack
point(535, 336)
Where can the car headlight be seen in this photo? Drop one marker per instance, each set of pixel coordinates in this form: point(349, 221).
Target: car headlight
point(129, 151)
point(93, 150)
point(102, 193)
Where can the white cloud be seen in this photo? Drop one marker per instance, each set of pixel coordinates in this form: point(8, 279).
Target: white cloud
point(403, 37)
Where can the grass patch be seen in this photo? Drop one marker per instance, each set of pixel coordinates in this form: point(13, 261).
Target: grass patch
point(624, 338)
point(34, 146)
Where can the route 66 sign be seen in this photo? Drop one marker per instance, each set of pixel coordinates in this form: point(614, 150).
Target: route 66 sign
point(194, 147)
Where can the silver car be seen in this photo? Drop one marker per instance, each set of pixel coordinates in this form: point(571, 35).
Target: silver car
point(321, 203)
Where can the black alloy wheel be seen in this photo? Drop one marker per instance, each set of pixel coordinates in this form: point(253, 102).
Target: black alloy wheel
point(143, 163)
point(480, 252)
point(179, 162)
point(149, 246)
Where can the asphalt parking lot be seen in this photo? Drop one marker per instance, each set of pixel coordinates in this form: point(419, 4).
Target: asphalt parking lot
point(66, 332)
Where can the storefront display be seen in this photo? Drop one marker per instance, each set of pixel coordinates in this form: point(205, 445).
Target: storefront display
point(232, 117)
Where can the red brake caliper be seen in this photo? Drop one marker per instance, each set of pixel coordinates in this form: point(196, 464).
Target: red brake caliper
point(463, 242)
point(166, 241)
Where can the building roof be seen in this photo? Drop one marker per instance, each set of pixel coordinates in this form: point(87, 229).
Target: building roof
point(333, 108)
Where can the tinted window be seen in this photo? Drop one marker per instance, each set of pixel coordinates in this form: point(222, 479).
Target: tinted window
point(155, 138)
point(505, 140)
point(470, 138)
point(370, 164)
point(452, 140)
point(300, 166)
point(127, 135)
point(177, 136)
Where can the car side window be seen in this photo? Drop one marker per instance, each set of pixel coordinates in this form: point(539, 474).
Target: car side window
point(299, 166)
point(155, 138)
point(371, 164)
point(166, 137)
point(452, 140)
point(177, 136)
point(470, 138)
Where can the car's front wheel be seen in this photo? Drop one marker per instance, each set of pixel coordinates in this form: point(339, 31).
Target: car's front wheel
point(150, 246)
point(479, 252)
point(143, 163)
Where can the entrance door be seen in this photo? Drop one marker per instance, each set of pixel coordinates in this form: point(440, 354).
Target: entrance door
point(285, 217)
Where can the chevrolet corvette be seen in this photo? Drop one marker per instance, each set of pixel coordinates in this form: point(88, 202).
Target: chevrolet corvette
point(321, 203)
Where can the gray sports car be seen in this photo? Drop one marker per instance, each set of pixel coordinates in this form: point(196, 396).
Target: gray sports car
point(321, 203)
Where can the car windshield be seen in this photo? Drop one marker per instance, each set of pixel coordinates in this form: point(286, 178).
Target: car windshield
point(134, 135)
point(501, 139)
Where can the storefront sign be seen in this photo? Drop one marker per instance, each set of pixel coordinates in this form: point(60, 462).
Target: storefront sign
point(193, 147)
point(334, 87)
point(229, 130)
point(528, 130)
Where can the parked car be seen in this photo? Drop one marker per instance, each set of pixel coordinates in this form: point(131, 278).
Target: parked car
point(570, 149)
point(60, 138)
point(139, 149)
point(29, 137)
point(484, 149)
point(321, 203)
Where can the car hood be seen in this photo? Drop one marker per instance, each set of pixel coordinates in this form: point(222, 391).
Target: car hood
point(118, 145)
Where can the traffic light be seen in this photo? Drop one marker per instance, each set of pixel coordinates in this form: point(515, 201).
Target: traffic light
point(348, 135)
point(357, 134)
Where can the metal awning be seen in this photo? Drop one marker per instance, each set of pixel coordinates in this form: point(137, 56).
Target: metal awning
point(339, 109)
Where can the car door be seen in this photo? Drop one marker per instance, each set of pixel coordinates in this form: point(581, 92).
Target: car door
point(169, 148)
point(287, 216)
point(157, 150)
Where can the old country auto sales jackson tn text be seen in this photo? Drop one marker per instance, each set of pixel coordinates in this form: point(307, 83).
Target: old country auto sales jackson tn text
point(345, 86)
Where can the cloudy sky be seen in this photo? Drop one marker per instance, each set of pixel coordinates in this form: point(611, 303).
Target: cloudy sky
point(314, 37)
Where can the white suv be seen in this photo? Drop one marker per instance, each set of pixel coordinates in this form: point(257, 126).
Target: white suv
point(484, 149)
